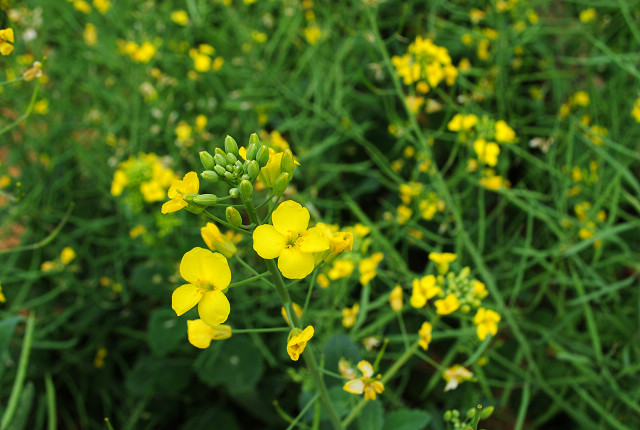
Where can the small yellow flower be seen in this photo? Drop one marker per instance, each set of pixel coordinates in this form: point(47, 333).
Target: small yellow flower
point(345, 369)
point(454, 375)
point(217, 241)
point(368, 267)
point(395, 298)
point(6, 40)
point(298, 341)
point(425, 335)
point(487, 152)
point(179, 189)
point(349, 315)
point(365, 384)
point(98, 360)
point(580, 98)
point(588, 15)
point(208, 274)
point(341, 269)
point(102, 6)
point(33, 72)
point(312, 34)
point(67, 255)
point(486, 321)
point(442, 260)
point(48, 266)
point(447, 305)
point(323, 280)
point(423, 290)
point(180, 17)
point(504, 133)
point(90, 34)
point(289, 240)
point(3, 299)
point(461, 122)
point(200, 334)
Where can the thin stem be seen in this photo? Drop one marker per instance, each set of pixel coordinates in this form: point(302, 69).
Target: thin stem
point(260, 330)
point(224, 223)
point(249, 280)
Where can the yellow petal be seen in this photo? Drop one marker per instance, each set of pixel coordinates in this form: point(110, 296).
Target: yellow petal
point(295, 264)
point(184, 298)
point(199, 333)
point(268, 242)
point(366, 368)
point(191, 183)
point(173, 205)
point(290, 217)
point(214, 307)
point(242, 152)
point(312, 240)
point(192, 265)
point(216, 270)
point(355, 386)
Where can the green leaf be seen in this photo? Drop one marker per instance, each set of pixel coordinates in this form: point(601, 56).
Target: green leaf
point(166, 331)
point(407, 419)
point(336, 347)
point(153, 374)
point(371, 416)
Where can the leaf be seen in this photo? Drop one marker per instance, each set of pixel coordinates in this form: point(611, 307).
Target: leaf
point(336, 347)
point(407, 419)
point(7, 327)
point(371, 416)
point(166, 331)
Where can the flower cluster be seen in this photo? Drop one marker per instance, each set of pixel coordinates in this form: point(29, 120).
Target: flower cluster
point(144, 176)
point(6, 40)
point(364, 384)
point(140, 53)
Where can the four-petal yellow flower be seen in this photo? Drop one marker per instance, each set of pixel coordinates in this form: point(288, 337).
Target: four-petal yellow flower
point(188, 185)
point(289, 240)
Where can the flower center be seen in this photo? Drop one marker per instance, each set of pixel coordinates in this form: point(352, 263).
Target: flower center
point(292, 238)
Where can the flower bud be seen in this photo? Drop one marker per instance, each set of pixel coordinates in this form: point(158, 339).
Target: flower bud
point(287, 163)
point(233, 192)
point(229, 176)
point(207, 160)
point(252, 150)
point(254, 139)
point(230, 145)
point(232, 158)
point(210, 175)
point(253, 169)
point(262, 157)
point(205, 199)
point(246, 190)
point(281, 184)
point(233, 216)
point(216, 241)
point(221, 160)
point(220, 170)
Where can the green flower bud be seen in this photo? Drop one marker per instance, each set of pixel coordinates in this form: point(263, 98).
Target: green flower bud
point(229, 175)
point(220, 170)
point(254, 139)
point(245, 177)
point(253, 169)
point(232, 158)
point(233, 216)
point(246, 190)
point(189, 198)
point(230, 168)
point(210, 175)
point(287, 163)
point(233, 192)
point(207, 160)
point(486, 412)
point(262, 157)
point(252, 150)
point(447, 416)
point(281, 184)
point(205, 199)
point(230, 145)
point(221, 160)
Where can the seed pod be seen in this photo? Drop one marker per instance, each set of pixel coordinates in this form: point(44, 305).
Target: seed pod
point(233, 216)
point(205, 199)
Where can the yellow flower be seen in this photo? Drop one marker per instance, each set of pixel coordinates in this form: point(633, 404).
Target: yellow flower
point(425, 335)
point(479, 290)
point(504, 133)
point(368, 266)
point(447, 305)
point(486, 321)
point(395, 298)
point(341, 269)
point(494, 182)
point(48, 266)
point(217, 241)
point(200, 334)
point(3, 299)
point(180, 17)
point(345, 369)
point(442, 260)
point(289, 240)
point(580, 98)
point(349, 315)
point(102, 6)
point(588, 15)
point(90, 34)
point(137, 231)
point(6, 40)
point(298, 341)
point(208, 274)
point(423, 290)
point(312, 34)
point(454, 375)
point(635, 112)
point(35, 71)
point(404, 214)
point(461, 122)
point(296, 308)
point(323, 280)
point(365, 384)
point(67, 255)
point(98, 360)
point(487, 152)
point(188, 185)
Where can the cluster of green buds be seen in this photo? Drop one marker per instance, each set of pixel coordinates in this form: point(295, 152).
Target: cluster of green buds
point(471, 420)
point(469, 291)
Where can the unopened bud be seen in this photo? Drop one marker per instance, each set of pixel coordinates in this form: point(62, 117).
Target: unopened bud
point(207, 160)
point(221, 160)
point(287, 163)
point(253, 169)
point(210, 175)
point(252, 150)
point(281, 184)
point(230, 145)
point(233, 192)
point(262, 157)
point(233, 216)
point(205, 199)
point(220, 170)
point(254, 139)
point(229, 176)
point(246, 190)
point(232, 158)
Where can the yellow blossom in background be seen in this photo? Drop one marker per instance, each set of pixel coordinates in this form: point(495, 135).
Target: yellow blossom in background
point(494, 182)
point(345, 369)
point(461, 122)
point(349, 315)
point(479, 290)
point(365, 384)
point(504, 133)
point(297, 309)
point(487, 152)
point(137, 231)
point(580, 98)
point(216, 241)
point(476, 15)
point(48, 266)
point(395, 298)
point(635, 111)
point(98, 360)
point(180, 17)
point(82, 6)
point(455, 375)
point(447, 305)
point(341, 269)
point(423, 290)
point(596, 134)
point(312, 34)
point(181, 188)
point(289, 240)
point(102, 6)
point(442, 260)
point(404, 214)
point(588, 15)
point(323, 280)
point(361, 230)
point(35, 71)
point(41, 107)
point(208, 274)
point(298, 341)
point(67, 255)
point(425, 335)
point(409, 191)
point(414, 103)
point(486, 321)
point(368, 267)
point(6, 40)
point(201, 122)
point(3, 299)
point(200, 334)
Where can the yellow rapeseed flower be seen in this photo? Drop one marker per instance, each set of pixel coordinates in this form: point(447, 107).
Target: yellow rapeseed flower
point(216, 241)
point(423, 290)
point(180, 17)
point(486, 321)
point(179, 189)
point(395, 298)
point(461, 122)
point(298, 341)
point(6, 40)
point(297, 309)
point(454, 375)
point(102, 6)
point(504, 133)
point(442, 260)
point(67, 255)
point(447, 305)
point(208, 274)
point(487, 152)
point(200, 334)
point(341, 269)
point(349, 315)
point(368, 267)
point(289, 240)
point(365, 384)
point(588, 15)
point(425, 335)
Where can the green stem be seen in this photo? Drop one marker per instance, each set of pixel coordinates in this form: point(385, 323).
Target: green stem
point(260, 330)
point(248, 280)
point(32, 103)
point(224, 223)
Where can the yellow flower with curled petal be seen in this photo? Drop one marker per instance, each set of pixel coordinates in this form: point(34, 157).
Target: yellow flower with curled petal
point(188, 185)
point(200, 334)
point(216, 241)
point(298, 341)
point(365, 384)
point(486, 321)
point(208, 274)
point(289, 240)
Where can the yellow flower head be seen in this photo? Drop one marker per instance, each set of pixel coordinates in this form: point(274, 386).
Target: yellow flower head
point(341, 269)
point(179, 189)
point(180, 17)
point(67, 255)
point(6, 40)
point(442, 260)
point(486, 321)
point(454, 375)
point(447, 305)
point(487, 152)
point(425, 335)
point(349, 315)
point(423, 290)
point(395, 298)
point(298, 341)
point(368, 267)
point(217, 241)
point(365, 384)
point(200, 334)
point(289, 240)
point(3, 299)
point(208, 274)
point(461, 122)
point(504, 133)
